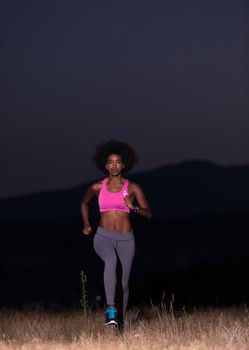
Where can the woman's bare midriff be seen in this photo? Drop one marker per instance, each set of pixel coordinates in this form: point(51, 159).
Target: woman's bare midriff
point(115, 220)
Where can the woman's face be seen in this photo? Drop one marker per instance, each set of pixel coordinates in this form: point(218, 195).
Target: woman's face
point(114, 164)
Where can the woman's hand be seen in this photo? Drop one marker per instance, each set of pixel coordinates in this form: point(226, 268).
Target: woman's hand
point(87, 229)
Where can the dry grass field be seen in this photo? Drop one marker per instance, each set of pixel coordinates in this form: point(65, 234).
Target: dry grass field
point(146, 329)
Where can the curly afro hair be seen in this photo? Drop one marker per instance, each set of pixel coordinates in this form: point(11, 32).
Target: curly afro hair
point(122, 149)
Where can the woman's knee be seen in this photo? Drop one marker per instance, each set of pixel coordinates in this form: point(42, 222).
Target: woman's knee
point(125, 284)
point(111, 261)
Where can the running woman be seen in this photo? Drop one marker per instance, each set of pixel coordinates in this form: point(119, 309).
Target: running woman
point(117, 198)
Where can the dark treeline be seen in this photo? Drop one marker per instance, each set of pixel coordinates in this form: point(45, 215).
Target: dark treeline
point(201, 260)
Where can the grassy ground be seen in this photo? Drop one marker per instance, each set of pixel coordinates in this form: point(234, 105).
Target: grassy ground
point(147, 329)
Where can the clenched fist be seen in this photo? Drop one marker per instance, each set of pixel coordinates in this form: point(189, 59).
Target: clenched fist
point(87, 229)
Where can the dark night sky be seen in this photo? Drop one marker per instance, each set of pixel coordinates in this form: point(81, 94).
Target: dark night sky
point(169, 77)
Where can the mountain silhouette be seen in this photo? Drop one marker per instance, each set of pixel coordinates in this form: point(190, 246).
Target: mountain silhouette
point(184, 189)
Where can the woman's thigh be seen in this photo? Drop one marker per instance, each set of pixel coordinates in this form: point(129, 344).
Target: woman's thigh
point(104, 247)
point(126, 252)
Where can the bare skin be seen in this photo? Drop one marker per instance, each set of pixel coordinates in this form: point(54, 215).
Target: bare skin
point(115, 220)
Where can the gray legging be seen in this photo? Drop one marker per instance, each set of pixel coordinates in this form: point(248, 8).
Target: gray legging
point(108, 245)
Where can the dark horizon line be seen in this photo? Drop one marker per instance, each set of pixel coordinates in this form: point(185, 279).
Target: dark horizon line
point(183, 162)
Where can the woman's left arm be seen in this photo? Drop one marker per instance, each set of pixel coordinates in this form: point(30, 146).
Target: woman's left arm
point(143, 206)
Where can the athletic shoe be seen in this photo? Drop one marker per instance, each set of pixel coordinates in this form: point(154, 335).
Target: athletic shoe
point(111, 316)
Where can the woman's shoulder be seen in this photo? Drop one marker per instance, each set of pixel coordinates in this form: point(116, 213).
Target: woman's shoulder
point(96, 186)
point(133, 184)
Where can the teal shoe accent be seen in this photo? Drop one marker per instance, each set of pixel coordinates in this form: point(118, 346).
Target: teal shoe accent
point(111, 316)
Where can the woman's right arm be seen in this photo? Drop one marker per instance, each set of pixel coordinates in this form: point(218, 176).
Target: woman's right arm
point(89, 194)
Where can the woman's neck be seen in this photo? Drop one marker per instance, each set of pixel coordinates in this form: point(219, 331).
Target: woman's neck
point(115, 180)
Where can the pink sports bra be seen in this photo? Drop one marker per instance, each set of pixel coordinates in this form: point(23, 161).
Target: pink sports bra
point(113, 200)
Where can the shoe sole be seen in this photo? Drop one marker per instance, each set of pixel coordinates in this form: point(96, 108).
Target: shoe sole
point(111, 323)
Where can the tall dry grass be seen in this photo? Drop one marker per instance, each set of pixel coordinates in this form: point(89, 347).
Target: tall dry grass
point(147, 329)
